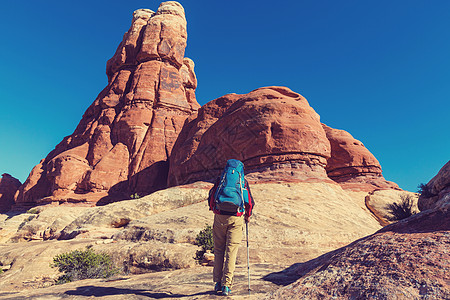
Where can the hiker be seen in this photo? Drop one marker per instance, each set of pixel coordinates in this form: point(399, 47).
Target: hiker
point(232, 203)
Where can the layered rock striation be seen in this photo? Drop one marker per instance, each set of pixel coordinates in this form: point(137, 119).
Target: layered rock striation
point(273, 130)
point(124, 139)
point(278, 136)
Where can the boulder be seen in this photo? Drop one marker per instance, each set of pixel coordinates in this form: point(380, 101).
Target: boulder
point(378, 201)
point(208, 259)
point(30, 263)
point(123, 142)
point(8, 187)
point(436, 193)
point(273, 130)
point(352, 165)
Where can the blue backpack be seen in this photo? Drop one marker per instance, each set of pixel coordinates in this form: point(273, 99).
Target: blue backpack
point(231, 193)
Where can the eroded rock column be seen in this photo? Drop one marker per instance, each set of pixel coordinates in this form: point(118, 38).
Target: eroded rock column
point(122, 144)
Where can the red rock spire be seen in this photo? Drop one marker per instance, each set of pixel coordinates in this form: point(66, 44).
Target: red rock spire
point(125, 137)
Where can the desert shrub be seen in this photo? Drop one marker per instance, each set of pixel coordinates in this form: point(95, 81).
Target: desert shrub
point(78, 265)
point(25, 221)
point(135, 196)
point(33, 211)
point(424, 190)
point(401, 210)
point(204, 239)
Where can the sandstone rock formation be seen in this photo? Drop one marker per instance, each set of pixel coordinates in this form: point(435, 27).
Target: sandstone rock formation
point(352, 165)
point(436, 193)
point(124, 140)
point(278, 136)
point(273, 130)
point(8, 187)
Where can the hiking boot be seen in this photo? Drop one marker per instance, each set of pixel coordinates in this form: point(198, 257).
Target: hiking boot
point(226, 290)
point(218, 288)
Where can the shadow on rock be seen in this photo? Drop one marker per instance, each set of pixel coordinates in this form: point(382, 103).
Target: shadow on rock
point(298, 270)
point(431, 220)
point(284, 277)
point(98, 291)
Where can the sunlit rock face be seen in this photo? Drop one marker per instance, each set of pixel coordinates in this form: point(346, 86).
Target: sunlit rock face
point(352, 165)
point(278, 136)
point(122, 144)
point(273, 130)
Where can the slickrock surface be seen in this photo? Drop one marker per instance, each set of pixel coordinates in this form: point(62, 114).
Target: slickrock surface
point(193, 283)
point(406, 260)
point(273, 130)
point(292, 222)
point(8, 187)
point(122, 144)
point(383, 266)
point(352, 165)
point(40, 223)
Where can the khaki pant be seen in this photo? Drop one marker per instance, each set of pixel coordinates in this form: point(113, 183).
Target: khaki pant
point(227, 235)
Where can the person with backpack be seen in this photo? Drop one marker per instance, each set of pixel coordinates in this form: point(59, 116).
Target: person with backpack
point(231, 201)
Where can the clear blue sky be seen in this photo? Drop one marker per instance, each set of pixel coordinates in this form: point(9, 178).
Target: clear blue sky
point(378, 69)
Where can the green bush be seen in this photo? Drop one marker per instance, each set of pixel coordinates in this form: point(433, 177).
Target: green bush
point(78, 265)
point(204, 239)
point(135, 196)
point(401, 210)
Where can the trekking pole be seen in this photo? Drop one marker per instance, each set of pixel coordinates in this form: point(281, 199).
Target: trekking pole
point(248, 257)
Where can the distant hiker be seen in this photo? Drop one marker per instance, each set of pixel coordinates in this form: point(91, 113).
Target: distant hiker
point(232, 203)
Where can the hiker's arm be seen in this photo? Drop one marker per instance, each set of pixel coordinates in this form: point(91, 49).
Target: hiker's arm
point(212, 191)
point(251, 203)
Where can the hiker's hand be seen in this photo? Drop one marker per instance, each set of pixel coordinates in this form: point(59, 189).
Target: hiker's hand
point(246, 218)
